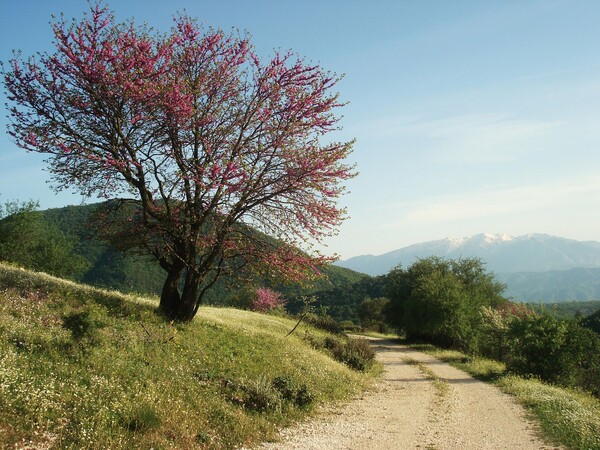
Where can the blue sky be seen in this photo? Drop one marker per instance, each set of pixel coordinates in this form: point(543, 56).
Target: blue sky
point(469, 116)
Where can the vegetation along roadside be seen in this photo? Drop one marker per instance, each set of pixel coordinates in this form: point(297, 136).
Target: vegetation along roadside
point(567, 416)
point(87, 368)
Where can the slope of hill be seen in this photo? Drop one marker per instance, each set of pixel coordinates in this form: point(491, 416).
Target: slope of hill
point(557, 285)
point(113, 269)
point(501, 253)
point(86, 368)
point(567, 310)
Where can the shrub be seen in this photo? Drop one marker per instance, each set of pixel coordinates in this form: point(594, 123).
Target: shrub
point(556, 351)
point(260, 395)
point(300, 397)
point(355, 353)
point(582, 358)
point(592, 322)
point(303, 397)
point(285, 386)
point(84, 325)
point(241, 298)
point(348, 326)
point(494, 326)
point(372, 313)
point(535, 346)
point(323, 322)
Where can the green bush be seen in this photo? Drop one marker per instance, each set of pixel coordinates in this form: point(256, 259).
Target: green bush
point(260, 395)
point(582, 358)
point(592, 322)
point(556, 351)
point(84, 324)
point(323, 322)
point(287, 388)
point(303, 397)
point(348, 326)
point(355, 353)
point(535, 347)
point(373, 314)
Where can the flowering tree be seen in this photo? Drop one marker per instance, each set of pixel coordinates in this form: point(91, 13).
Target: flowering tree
point(266, 300)
point(205, 137)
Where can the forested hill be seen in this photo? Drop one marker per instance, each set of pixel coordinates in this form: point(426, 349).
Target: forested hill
point(579, 284)
point(107, 267)
point(111, 268)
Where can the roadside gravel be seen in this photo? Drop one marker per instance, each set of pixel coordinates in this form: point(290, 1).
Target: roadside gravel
point(440, 408)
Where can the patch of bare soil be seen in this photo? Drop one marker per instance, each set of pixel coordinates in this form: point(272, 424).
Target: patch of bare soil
point(420, 403)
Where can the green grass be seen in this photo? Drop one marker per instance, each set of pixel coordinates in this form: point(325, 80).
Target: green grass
point(377, 334)
point(441, 386)
point(482, 368)
point(566, 416)
point(570, 417)
point(84, 368)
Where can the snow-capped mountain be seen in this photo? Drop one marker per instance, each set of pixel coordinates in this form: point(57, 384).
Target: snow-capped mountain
point(502, 253)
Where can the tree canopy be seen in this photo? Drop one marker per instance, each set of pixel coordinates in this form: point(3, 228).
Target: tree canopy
point(207, 138)
point(26, 239)
point(440, 300)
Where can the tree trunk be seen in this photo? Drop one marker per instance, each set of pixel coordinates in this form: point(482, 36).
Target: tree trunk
point(189, 297)
point(169, 297)
point(176, 305)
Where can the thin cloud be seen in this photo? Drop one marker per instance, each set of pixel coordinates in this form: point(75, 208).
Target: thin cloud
point(562, 72)
point(507, 201)
point(488, 138)
point(474, 138)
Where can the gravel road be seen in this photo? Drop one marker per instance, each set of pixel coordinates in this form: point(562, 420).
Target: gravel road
point(410, 409)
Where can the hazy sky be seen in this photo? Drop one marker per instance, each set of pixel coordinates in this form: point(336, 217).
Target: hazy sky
point(470, 116)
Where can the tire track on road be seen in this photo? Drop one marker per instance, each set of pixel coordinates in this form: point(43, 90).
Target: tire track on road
point(435, 407)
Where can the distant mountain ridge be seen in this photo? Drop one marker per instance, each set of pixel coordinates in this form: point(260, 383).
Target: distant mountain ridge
point(534, 267)
point(502, 253)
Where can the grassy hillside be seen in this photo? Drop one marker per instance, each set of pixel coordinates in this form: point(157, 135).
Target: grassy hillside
point(87, 368)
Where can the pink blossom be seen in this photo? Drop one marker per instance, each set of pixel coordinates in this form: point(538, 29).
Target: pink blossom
point(266, 300)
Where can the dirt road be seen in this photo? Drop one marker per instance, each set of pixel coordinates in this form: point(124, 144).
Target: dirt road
point(420, 403)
